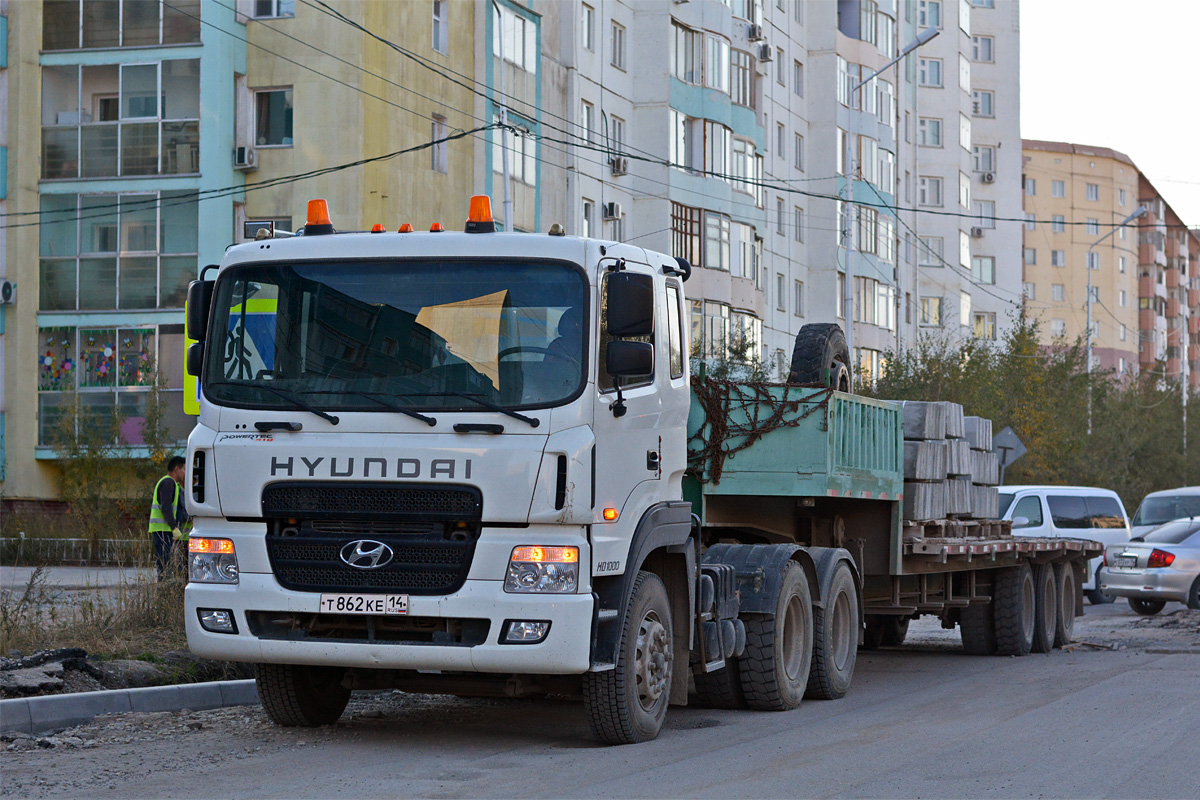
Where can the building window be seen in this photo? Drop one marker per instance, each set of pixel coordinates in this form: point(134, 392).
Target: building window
point(1058, 328)
point(618, 46)
point(964, 190)
point(985, 325)
point(931, 311)
point(1058, 258)
point(716, 241)
point(929, 72)
point(983, 103)
point(985, 157)
point(746, 169)
point(798, 160)
point(742, 79)
point(1031, 187)
point(1058, 223)
point(686, 237)
point(439, 157)
point(717, 72)
point(984, 3)
point(107, 252)
point(929, 251)
point(1031, 256)
point(1058, 293)
point(929, 191)
point(985, 213)
point(780, 294)
point(1029, 290)
point(779, 215)
point(964, 73)
point(265, 9)
point(1058, 189)
point(964, 253)
point(718, 148)
point(71, 25)
point(798, 222)
point(929, 132)
point(273, 118)
point(252, 226)
point(797, 79)
point(1122, 299)
point(840, 303)
point(964, 132)
point(798, 298)
point(587, 27)
point(516, 36)
point(1093, 191)
point(929, 14)
point(964, 308)
point(1093, 260)
point(587, 219)
point(441, 26)
point(1092, 227)
point(688, 54)
point(587, 120)
point(1121, 196)
point(1030, 222)
point(780, 68)
point(983, 48)
point(1121, 264)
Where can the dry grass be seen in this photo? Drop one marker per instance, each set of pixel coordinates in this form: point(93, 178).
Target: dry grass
point(126, 620)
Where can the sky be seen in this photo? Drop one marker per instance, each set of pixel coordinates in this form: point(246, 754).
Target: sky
point(1118, 74)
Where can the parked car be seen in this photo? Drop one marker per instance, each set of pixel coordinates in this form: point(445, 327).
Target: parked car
point(1150, 570)
point(1074, 512)
point(1161, 507)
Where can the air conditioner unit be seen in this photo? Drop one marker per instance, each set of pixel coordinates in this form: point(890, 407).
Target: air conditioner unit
point(8, 292)
point(764, 52)
point(620, 166)
point(988, 177)
point(612, 211)
point(754, 32)
point(245, 158)
point(976, 233)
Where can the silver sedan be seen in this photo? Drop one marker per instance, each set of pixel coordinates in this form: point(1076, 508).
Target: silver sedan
point(1158, 566)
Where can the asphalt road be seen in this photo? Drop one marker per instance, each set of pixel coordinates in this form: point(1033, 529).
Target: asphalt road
point(924, 720)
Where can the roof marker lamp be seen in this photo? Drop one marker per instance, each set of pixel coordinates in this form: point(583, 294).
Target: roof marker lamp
point(318, 219)
point(533, 569)
point(377, 227)
point(212, 560)
point(479, 217)
point(406, 228)
point(437, 227)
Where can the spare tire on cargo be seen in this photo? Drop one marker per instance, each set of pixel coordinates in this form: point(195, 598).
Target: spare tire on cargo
point(820, 356)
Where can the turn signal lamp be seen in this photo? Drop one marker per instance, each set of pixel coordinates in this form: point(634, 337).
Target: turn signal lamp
point(479, 217)
point(1160, 558)
point(318, 219)
point(405, 228)
point(377, 228)
point(197, 544)
point(436, 228)
point(546, 555)
point(611, 514)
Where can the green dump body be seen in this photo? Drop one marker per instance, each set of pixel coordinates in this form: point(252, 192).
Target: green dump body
point(793, 442)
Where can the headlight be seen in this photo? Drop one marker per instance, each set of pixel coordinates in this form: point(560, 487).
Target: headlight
point(543, 569)
point(211, 561)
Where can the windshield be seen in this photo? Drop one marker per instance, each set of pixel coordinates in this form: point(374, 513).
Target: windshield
point(426, 334)
point(1173, 533)
point(1157, 510)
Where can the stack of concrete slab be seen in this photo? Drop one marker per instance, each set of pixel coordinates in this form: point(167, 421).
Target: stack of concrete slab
point(949, 469)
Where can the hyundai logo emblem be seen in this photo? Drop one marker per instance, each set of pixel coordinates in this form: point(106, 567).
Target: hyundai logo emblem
point(366, 554)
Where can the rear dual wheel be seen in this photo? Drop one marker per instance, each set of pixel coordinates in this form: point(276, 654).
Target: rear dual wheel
point(835, 639)
point(1068, 594)
point(1046, 608)
point(775, 667)
point(1015, 611)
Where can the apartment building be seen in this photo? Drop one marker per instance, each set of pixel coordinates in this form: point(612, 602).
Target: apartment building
point(1074, 196)
point(117, 122)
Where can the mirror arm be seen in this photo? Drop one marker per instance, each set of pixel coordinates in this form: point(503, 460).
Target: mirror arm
point(618, 408)
point(617, 265)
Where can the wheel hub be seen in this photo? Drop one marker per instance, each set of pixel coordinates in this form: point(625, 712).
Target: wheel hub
point(652, 661)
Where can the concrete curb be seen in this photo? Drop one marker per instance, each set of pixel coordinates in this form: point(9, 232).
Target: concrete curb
point(58, 711)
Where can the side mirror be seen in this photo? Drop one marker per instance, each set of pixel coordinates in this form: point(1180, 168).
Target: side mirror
point(195, 359)
point(1020, 522)
point(630, 359)
point(199, 303)
point(629, 304)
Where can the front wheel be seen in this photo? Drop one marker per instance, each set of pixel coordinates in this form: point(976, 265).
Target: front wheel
point(298, 695)
point(628, 703)
point(779, 647)
point(1147, 608)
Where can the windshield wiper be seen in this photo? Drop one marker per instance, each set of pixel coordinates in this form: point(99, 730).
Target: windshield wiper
point(488, 404)
point(291, 398)
point(378, 398)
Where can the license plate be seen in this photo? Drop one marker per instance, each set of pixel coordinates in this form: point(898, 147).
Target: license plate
point(1125, 561)
point(364, 604)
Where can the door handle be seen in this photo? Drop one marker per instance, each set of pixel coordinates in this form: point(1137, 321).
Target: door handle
point(652, 460)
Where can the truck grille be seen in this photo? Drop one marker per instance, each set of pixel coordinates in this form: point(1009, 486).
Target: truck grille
point(432, 545)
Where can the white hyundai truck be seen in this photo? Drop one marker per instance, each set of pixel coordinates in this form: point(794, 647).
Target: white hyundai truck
point(455, 462)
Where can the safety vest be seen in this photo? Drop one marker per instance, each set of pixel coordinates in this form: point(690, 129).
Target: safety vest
point(157, 521)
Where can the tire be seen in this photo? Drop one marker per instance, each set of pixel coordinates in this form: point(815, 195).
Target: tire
point(1068, 592)
point(1147, 608)
point(873, 632)
point(1193, 601)
point(821, 346)
point(976, 624)
point(1046, 610)
point(304, 696)
point(895, 630)
point(721, 689)
point(775, 667)
point(628, 703)
point(1097, 596)
point(1014, 610)
point(835, 639)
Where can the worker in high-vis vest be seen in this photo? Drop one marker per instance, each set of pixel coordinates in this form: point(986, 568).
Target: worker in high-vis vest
point(169, 521)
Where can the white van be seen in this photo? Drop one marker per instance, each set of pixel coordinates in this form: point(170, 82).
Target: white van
point(1161, 507)
point(1073, 512)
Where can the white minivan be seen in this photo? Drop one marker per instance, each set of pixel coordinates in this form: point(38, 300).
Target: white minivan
point(1073, 512)
point(1158, 508)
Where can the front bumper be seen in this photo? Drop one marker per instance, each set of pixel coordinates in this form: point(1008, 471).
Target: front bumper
point(1147, 584)
point(565, 650)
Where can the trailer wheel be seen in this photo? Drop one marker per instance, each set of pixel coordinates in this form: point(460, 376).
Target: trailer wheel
point(1015, 606)
point(976, 624)
point(1046, 607)
point(835, 639)
point(774, 669)
point(1068, 591)
point(895, 630)
point(721, 689)
point(297, 695)
point(821, 346)
point(1097, 596)
point(628, 703)
point(1147, 608)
